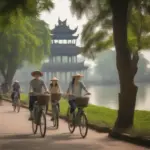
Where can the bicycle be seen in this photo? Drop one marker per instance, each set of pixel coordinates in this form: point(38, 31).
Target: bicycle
point(39, 113)
point(55, 108)
point(75, 119)
point(1, 99)
point(16, 102)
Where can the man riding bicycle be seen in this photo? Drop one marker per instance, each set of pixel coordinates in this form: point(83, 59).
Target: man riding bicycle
point(15, 90)
point(36, 86)
point(75, 88)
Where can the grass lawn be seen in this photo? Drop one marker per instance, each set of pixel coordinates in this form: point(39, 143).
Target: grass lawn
point(105, 117)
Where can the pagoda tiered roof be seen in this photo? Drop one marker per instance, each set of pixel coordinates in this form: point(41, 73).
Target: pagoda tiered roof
point(63, 31)
point(59, 67)
point(65, 50)
point(64, 37)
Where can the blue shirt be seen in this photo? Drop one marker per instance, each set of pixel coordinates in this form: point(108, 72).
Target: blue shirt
point(77, 89)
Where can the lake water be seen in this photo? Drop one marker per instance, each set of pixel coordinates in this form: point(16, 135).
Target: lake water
point(108, 96)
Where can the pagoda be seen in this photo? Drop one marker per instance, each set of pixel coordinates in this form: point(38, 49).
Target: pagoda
point(63, 62)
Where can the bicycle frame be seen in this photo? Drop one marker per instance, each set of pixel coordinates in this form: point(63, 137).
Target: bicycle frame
point(37, 111)
point(16, 98)
point(55, 107)
point(76, 115)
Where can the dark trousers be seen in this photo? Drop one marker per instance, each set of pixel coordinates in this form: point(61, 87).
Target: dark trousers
point(12, 95)
point(72, 106)
point(32, 100)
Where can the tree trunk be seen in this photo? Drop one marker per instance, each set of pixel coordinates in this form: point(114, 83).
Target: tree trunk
point(9, 72)
point(9, 76)
point(128, 90)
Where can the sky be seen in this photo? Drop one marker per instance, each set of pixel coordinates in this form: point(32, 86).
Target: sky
point(62, 11)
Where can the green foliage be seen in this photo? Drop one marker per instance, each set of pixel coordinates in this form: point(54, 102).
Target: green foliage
point(28, 7)
point(138, 30)
point(13, 8)
point(27, 39)
point(95, 35)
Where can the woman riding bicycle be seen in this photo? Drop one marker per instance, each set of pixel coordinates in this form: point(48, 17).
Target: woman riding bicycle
point(54, 88)
point(36, 86)
point(15, 89)
point(75, 88)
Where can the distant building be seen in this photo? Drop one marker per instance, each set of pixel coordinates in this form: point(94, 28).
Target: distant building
point(63, 61)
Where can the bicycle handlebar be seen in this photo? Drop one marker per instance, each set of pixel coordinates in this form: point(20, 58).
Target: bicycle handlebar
point(87, 94)
point(37, 94)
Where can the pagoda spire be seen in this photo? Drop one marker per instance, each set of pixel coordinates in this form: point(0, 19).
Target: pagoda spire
point(59, 21)
point(62, 22)
point(65, 22)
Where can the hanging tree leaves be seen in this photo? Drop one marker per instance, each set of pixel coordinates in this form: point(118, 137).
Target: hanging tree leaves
point(27, 39)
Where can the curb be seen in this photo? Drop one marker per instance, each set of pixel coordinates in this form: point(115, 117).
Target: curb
point(134, 140)
point(123, 137)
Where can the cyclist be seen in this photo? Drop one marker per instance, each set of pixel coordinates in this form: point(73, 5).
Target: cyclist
point(36, 86)
point(15, 88)
point(54, 88)
point(75, 88)
point(1, 95)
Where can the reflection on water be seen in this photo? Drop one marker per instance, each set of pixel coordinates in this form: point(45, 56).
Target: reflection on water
point(108, 95)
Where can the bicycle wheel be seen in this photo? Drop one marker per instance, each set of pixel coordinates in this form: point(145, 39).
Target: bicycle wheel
point(56, 117)
point(83, 125)
point(34, 124)
point(14, 106)
point(70, 118)
point(1, 102)
point(42, 124)
point(47, 107)
point(18, 106)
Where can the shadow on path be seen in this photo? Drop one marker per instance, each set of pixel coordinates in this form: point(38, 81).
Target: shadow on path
point(65, 137)
point(62, 137)
point(51, 128)
point(9, 112)
point(19, 137)
point(53, 142)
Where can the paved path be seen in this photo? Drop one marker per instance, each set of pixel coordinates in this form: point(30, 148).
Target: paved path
point(16, 134)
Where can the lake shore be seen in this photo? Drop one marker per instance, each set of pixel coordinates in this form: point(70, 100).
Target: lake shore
point(105, 117)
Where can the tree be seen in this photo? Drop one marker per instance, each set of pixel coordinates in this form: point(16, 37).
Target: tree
point(28, 7)
point(28, 40)
point(126, 63)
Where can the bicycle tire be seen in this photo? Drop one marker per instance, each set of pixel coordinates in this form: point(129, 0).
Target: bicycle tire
point(56, 118)
point(18, 107)
point(34, 127)
point(44, 117)
point(71, 125)
point(14, 107)
point(34, 124)
point(80, 125)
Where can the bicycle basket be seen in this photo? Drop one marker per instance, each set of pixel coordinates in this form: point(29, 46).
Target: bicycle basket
point(82, 101)
point(55, 97)
point(43, 99)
